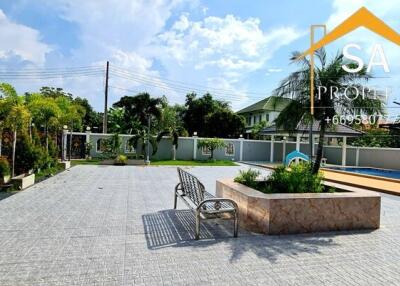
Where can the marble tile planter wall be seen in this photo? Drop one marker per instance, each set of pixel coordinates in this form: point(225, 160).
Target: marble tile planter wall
point(354, 209)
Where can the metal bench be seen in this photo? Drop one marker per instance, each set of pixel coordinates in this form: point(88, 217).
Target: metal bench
point(202, 203)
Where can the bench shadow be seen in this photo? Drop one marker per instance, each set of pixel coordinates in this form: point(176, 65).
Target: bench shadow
point(175, 228)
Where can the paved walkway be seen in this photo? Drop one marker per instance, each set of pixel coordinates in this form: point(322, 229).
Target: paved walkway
point(105, 225)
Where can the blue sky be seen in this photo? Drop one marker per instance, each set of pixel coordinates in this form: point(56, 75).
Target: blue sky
point(239, 50)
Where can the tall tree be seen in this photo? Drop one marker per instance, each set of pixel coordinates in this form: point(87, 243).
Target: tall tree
point(46, 113)
point(92, 118)
point(205, 115)
point(139, 107)
point(331, 75)
point(16, 115)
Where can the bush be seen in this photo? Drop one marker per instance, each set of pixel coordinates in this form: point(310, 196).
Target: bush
point(4, 167)
point(248, 178)
point(121, 160)
point(31, 156)
point(298, 179)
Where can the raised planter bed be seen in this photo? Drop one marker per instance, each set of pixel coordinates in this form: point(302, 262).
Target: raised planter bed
point(66, 164)
point(23, 181)
point(350, 209)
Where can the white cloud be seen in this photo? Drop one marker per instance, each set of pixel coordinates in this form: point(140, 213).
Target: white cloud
point(22, 41)
point(227, 43)
point(272, 70)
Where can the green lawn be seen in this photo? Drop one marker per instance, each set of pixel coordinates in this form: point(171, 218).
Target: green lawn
point(85, 162)
point(43, 174)
point(193, 163)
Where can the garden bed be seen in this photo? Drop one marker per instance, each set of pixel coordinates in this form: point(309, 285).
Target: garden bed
point(288, 213)
point(193, 163)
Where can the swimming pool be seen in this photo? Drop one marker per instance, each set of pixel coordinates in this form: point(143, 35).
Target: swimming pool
point(392, 174)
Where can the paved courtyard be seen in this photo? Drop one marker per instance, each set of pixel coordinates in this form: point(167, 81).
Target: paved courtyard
point(106, 225)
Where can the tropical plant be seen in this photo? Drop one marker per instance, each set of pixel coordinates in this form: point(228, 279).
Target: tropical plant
point(121, 160)
point(248, 178)
point(30, 156)
point(113, 145)
point(88, 149)
point(117, 123)
point(141, 108)
point(140, 140)
point(257, 128)
point(4, 167)
point(210, 117)
point(16, 115)
point(298, 179)
point(331, 76)
point(211, 144)
point(171, 125)
point(46, 113)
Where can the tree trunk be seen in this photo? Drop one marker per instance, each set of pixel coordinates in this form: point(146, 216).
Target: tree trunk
point(173, 152)
point(13, 153)
point(317, 163)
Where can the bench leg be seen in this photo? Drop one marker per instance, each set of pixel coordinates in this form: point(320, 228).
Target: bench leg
point(175, 200)
point(236, 225)
point(197, 230)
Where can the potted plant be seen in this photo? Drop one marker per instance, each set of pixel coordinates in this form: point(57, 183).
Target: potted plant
point(4, 170)
point(121, 160)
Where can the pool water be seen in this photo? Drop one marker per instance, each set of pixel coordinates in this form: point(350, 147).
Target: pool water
point(393, 174)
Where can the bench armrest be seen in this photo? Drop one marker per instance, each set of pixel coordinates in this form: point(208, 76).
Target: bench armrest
point(235, 206)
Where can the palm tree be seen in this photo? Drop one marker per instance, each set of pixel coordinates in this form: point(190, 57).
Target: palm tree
point(328, 74)
point(46, 112)
point(16, 115)
point(141, 139)
point(141, 107)
point(173, 132)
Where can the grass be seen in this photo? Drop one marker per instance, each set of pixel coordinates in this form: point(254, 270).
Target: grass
point(193, 163)
point(85, 162)
point(44, 174)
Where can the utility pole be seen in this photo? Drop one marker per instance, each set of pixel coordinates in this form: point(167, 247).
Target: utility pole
point(105, 100)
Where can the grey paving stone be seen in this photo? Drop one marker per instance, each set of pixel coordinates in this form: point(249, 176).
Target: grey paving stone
point(105, 225)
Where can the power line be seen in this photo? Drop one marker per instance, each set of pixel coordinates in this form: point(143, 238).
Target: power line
point(199, 86)
point(174, 87)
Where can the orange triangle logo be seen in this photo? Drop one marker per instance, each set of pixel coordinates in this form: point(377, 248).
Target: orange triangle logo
point(362, 18)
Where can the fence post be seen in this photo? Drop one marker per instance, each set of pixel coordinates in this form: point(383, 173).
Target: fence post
point(194, 147)
point(64, 144)
point(357, 156)
point(283, 149)
point(344, 151)
point(241, 148)
point(271, 156)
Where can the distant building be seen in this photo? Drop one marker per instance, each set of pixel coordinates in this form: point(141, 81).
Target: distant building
point(266, 110)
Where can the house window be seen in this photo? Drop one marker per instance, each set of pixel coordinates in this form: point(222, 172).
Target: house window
point(100, 145)
point(230, 149)
point(267, 117)
point(129, 148)
point(259, 118)
point(255, 119)
point(205, 151)
point(248, 120)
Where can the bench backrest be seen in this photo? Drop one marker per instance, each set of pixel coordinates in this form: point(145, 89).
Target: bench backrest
point(191, 187)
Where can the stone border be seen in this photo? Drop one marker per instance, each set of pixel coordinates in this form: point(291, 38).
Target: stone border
point(354, 209)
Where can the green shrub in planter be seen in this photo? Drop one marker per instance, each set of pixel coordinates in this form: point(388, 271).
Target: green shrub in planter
point(298, 179)
point(121, 160)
